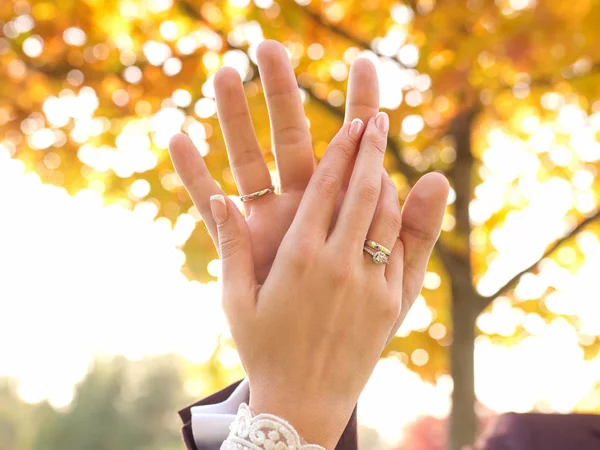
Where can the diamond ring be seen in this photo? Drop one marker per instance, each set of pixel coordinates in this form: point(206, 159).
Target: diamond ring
point(379, 257)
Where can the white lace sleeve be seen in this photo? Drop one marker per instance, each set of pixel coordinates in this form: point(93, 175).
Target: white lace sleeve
point(263, 432)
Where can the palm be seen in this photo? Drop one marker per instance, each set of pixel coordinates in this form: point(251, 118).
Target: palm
point(267, 225)
point(270, 216)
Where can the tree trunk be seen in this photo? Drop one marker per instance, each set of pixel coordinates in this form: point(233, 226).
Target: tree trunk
point(463, 420)
point(465, 300)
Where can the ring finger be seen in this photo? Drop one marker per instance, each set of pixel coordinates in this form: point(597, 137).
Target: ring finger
point(245, 156)
point(385, 227)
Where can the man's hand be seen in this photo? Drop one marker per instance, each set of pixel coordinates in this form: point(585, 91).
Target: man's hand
point(311, 336)
point(270, 216)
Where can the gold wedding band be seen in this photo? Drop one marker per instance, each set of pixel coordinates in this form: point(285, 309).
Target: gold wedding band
point(378, 247)
point(257, 194)
point(379, 257)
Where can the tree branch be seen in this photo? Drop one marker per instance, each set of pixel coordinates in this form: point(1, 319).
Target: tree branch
point(408, 171)
point(412, 4)
point(551, 79)
point(488, 299)
point(321, 21)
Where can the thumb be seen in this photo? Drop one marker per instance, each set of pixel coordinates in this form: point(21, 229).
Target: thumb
point(235, 247)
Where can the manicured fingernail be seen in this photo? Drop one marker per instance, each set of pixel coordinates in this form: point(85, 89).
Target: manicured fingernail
point(382, 121)
point(218, 206)
point(355, 128)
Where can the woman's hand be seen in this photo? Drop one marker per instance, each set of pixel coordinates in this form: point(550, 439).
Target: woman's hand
point(268, 217)
point(310, 337)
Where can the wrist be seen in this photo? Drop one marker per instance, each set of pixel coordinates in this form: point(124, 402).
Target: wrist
point(316, 421)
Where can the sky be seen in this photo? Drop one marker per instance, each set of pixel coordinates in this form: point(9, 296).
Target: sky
point(80, 278)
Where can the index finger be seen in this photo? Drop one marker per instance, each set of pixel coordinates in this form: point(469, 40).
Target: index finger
point(318, 202)
point(365, 186)
point(196, 178)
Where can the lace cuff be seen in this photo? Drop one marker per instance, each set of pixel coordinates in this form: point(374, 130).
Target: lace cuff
point(263, 432)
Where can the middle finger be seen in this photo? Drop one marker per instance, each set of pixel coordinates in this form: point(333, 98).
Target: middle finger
point(291, 137)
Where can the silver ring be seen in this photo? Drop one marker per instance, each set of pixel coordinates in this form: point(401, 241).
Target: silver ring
point(378, 247)
point(257, 194)
point(379, 257)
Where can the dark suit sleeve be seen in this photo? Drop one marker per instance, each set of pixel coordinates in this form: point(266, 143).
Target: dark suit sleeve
point(348, 440)
point(186, 416)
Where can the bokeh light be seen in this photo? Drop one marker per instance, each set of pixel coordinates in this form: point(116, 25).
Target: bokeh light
point(101, 241)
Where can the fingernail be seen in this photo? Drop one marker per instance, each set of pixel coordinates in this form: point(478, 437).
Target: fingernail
point(218, 207)
point(382, 121)
point(355, 128)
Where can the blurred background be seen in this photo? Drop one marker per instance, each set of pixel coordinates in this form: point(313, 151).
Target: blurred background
point(109, 306)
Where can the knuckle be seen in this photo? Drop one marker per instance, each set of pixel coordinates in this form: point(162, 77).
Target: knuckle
point(376, 142)
point(379, 146)
point(328, 185)
point(347, 148)
point(229, 244)
point(387, 307)
point(291, 135)
point(390, 309)
point(368, 191)
point(300, 251)
point(341, 272)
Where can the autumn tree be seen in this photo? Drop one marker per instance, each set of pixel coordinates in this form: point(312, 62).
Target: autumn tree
point(500, 96)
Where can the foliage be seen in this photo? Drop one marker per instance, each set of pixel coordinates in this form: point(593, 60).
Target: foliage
point(501, 96)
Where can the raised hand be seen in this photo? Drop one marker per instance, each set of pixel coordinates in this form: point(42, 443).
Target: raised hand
point(270, 216)
point(310, 337)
